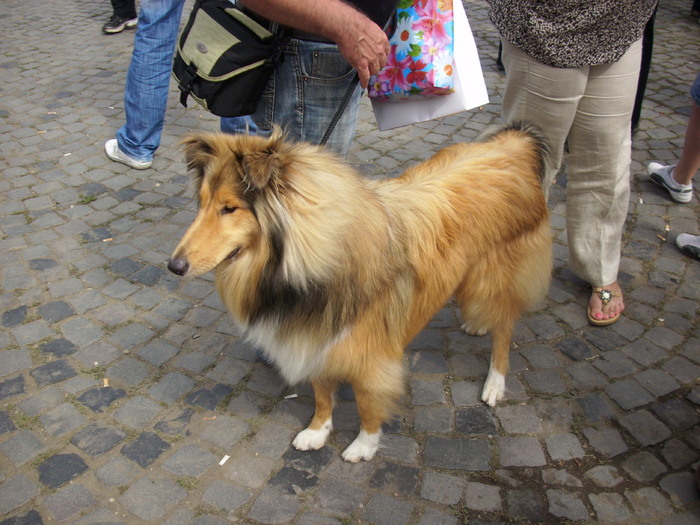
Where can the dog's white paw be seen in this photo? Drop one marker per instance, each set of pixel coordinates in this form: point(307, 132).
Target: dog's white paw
point(494, 388)
point(312, 439)
point(471, 330)
point(363, 448)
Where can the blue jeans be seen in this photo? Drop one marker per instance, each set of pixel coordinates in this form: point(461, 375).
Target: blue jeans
point(148, 77)
point(303, 95)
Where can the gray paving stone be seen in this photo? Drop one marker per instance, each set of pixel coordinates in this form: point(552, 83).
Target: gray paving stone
point(118, 472)
point(151, 499)
point(567, 505)
point(609, 507)
point(53, 372)
point(12, 387)
point(22, 447)
point(441, 488)
point(427, 392)
point(643, 467)
point(628, 394)
point(563, 447)
point(247, 469)
point(338, 498)
point(385, 510)
point(596, 407)
point(62, 419)
point(132, 335)
point(223, 495)
point(60, 469)
point(682, 369)
point(294, 481)
point(13, 361)
point(457, 453)
point(482, 497)
point(16, 491)
point(520, 451)
point(432, 516)
point(679, 487)
point(274, 506)
point(399, 480)
point(6, 424)
point(677, 454)
point(606, 441)
point(677, 413)
point(98, 399)
point(158, 352)
point(137, 412)
point(648, 503)
point(95, 440)
point(208, 398)
point(560, 478)
point(433, 419)
point(190, 460)
point(145, 449)
point(171, 387)
point(525, 504)
point(32, 332)
point(69, 501)
point(605, 476)
point(519, 419)
point(129, 372)
point(645, 428)
point(466, 393)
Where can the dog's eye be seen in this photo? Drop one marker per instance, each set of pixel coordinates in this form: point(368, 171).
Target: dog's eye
point(228, 209)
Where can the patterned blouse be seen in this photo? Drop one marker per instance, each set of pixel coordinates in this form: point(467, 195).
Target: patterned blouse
point(572, 33)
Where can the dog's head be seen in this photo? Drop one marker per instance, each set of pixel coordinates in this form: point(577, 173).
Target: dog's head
point(231, 172)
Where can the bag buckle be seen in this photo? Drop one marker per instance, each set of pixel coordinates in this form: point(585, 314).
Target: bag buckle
point(185, 84)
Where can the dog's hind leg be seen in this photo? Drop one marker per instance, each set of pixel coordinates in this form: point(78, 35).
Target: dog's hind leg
point(495, 386)
point(315, 435)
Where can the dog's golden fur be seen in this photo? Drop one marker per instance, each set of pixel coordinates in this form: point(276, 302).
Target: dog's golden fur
point(332, 274)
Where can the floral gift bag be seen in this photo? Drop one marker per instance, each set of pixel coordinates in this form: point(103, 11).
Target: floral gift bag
point(421, 58)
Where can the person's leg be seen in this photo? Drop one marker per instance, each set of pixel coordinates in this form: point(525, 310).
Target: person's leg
point(124, 8)
point(148, 77)
point(689, 162)
point(545, 96)
point(598, 186)
point(304, 94)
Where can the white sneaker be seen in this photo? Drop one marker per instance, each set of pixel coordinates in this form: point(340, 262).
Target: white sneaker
point(113, 152)
point(689, 244)
point(662, 175)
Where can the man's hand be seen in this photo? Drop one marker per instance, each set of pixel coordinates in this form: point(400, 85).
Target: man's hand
point(361, 42)
point(364, 45)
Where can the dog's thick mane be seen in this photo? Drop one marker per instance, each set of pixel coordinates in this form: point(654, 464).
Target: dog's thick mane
point(316, 269)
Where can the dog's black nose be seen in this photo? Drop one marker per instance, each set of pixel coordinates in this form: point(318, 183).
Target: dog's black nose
point(178, 266)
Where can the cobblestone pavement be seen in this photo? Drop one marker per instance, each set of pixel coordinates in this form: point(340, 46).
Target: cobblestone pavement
point(123, 388)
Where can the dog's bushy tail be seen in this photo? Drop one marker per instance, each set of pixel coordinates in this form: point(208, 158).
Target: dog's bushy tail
point(529, 132)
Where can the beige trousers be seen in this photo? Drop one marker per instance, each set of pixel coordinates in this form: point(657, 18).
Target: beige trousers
point(591, 108)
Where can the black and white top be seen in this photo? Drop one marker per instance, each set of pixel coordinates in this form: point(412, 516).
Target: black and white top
point(572, 33)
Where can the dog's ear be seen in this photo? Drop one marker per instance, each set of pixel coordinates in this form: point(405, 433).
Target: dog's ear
point(265, 166)
point(198, 153)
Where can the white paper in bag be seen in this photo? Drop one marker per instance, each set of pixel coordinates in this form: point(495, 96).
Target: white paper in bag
point(470, 88)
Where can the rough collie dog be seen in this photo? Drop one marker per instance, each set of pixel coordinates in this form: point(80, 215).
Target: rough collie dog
point(331, 274)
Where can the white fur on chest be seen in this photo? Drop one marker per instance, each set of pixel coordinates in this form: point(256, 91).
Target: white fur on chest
point(298, 359)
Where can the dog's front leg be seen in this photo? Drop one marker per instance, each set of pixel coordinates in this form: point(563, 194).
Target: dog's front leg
point(315, 435)
point(372, 414)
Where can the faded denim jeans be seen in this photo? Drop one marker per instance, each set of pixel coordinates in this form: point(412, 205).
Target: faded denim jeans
point(148, 77)
point(303, 95)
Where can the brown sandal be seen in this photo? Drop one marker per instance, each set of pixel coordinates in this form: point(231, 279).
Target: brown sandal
point(605, 296)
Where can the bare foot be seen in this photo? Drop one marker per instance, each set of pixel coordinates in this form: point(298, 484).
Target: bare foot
point(603, 312)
